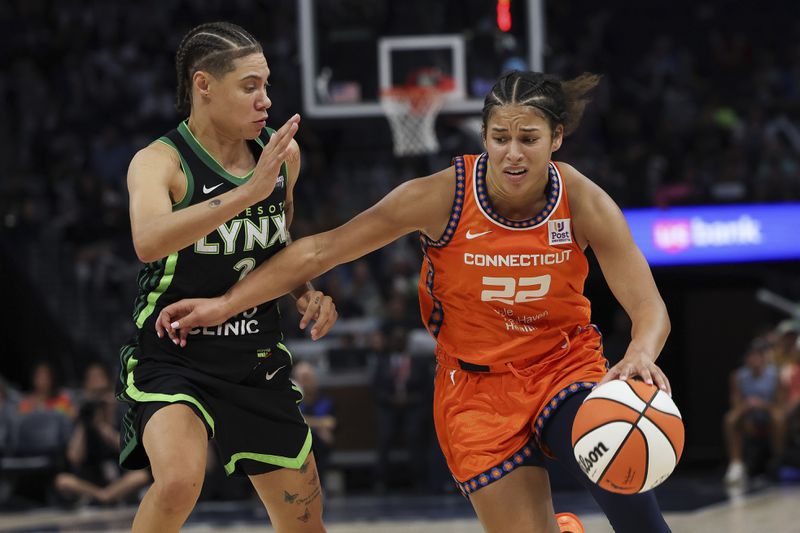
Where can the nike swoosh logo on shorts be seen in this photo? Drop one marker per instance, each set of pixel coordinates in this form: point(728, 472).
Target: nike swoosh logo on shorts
point(471, 235)
point(207, 190)
point(271, 375)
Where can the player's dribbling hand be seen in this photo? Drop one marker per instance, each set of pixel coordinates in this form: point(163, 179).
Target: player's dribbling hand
point(636, 364)
point(179, 318)
point(275, 152)
point(320, 308)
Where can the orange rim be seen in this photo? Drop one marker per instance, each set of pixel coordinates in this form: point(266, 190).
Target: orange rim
point(420, 98)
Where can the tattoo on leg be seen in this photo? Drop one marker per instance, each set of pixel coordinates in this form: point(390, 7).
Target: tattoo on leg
point(306, 516)
point(304, 467)
point(215, 203)
point(308, 500)
point(290, 498)
point(314, 478)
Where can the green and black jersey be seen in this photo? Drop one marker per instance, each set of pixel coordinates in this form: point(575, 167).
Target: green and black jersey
point(214, 263)
point(235, 376)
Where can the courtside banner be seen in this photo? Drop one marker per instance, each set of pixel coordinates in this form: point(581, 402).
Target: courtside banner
point(717, 234)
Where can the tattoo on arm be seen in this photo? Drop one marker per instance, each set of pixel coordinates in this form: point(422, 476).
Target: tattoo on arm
point(290, 498)
point(304, 467)
point(216, 202)
point(314, 478)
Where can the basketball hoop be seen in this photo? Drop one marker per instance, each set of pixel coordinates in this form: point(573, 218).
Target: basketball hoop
point(412, 112)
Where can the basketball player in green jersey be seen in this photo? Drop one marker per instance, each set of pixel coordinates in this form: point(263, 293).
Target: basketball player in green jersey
point(210, 201)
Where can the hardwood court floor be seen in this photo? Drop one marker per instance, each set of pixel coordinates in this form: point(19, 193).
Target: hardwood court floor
point(773, 510)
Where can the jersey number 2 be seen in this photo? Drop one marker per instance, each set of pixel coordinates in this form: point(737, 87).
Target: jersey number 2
point(508, 293)
point(244, 266)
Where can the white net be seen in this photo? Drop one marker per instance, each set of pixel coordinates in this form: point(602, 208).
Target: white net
point(412, 113)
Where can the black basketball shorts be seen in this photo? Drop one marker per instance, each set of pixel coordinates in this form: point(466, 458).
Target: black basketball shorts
point(251, 411)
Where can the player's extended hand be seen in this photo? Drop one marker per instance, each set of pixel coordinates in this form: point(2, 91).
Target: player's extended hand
point(638, 364)
point(275, 152)
point(320, 308)
point(178, 319)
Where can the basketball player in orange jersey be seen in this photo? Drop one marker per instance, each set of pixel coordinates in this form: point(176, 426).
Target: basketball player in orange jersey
point(501, 290)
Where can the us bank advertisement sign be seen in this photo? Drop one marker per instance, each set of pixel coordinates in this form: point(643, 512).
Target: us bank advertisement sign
point(699, 235)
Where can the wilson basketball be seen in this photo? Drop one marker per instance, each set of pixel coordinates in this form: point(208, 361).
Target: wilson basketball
point(628, 436)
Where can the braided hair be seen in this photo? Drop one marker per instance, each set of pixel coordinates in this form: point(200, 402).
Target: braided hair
point(560, 102)
point(211, 47)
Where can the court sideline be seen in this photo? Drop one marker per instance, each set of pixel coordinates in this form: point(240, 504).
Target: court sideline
point(773, 510)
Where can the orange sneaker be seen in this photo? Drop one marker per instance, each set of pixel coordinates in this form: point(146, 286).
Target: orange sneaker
point(569, 523)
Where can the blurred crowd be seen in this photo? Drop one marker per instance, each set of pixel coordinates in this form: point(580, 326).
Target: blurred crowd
point(60, 445)
point(710, 115)
point(762, 426)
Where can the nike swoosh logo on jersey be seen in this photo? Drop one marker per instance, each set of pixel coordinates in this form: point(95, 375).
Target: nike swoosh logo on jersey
point(471, 235)
point(207, 190)
point(271, 375)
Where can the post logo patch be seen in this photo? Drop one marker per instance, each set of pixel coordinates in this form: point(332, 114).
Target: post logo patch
point(558, 231)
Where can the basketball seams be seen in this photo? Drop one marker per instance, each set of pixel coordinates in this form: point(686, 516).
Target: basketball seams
point(616, 452)
point(632, 408)
point(603, 424)
point(633, 423)
point(633, 389)
point(665, 413)
point(666, 436)
point(622, 444)
point(646, 458)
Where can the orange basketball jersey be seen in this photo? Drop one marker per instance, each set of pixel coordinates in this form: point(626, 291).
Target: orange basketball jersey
point(494, 290)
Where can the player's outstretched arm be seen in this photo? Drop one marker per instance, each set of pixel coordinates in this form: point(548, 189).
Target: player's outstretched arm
point(628, 276)
point(421, 204)
point(158, 231)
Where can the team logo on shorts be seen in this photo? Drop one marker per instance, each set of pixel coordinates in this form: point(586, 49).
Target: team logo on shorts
point(558, 231)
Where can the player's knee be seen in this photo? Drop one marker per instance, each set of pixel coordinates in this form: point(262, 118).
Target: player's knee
point(177, 491)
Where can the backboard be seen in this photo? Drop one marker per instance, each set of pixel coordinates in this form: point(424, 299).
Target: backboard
point(351, 50)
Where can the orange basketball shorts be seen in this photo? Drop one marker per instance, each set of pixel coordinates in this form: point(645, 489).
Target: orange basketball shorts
point(485, 421)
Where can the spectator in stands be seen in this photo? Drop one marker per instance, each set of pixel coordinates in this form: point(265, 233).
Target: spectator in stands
point(45, 393)
point(789, 346)
point(755, 405)
point(402, 385)
point(318, 411)
point(39, 433)
point(97, 384)
point(790, 376)
point(784, 338)
point(93, 448)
